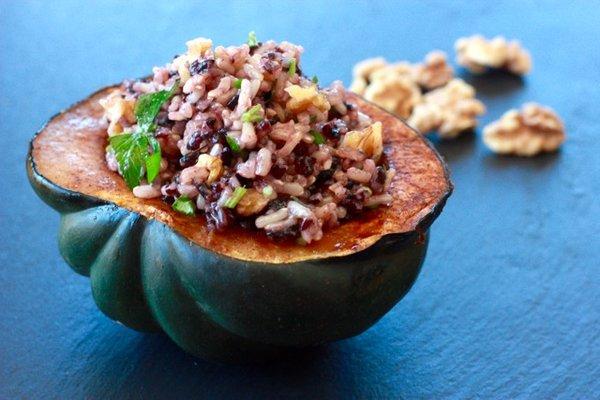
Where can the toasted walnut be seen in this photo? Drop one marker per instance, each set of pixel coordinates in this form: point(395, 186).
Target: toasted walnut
point(252, 203)
point(302, 98)
point(478, 54)
point(533, 130)
point(449, 110)
point(434, 71)
point(117, 110)
point(400, 69)
point(214, 165)
point(396, 94)
point(365, 68)
point(197, 47)
point(369, 140)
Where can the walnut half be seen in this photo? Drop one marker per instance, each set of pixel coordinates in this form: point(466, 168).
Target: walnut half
point(479, 54)
point(449, 110)
point(530, 131)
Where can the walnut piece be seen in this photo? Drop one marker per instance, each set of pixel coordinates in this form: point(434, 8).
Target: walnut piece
point(397, 94)
point(478, 54)
point(434, 71)
point(449, 110)
point(369, 140)
point(533, 130)
point(252, 203)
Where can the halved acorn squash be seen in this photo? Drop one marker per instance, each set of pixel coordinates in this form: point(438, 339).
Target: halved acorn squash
point(233, 295)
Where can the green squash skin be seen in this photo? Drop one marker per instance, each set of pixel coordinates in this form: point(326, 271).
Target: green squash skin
point(148, 277)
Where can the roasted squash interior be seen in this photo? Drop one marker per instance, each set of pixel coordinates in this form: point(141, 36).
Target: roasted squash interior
point(69, 152)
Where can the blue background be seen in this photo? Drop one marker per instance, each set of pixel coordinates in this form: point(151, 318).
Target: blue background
point(508, 303)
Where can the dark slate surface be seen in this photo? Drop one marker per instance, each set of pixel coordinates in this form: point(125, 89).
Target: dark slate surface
point(508, 304)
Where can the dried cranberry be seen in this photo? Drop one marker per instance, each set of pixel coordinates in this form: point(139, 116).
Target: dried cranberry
point(200, 67)
point(189, 159)
point(278, 170)
point(263, 127)
point(233, 102)
point(304, 165)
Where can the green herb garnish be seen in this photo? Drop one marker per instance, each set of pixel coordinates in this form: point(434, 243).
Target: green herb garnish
point(148, 105)
point(254, 114)
point(292, 67)
point(233, 144)
point(313, 119)
point(317, 137)
point(315, 80)
point(252, 40)
point(139, 151)
point(237, 84)
point(184, 205)
point(235, 198)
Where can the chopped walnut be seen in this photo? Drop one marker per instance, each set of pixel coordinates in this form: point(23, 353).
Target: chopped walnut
point(478, 54)
point(252, 203)
point(118, 111)
point(302, 98)
point(214, 165)
point(365, 68)
point(449, 110)
point(396, 94)
point(434, 71)
point(369, 141)
point(533, 130)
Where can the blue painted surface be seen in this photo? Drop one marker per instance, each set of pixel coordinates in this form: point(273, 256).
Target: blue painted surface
point(508, 303)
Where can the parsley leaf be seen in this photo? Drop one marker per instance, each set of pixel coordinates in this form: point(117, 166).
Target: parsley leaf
point(292, 67)
point(254, 114)
point(252, 40)
point(233, 144)
point(184, 205)
point(148, 105)
point(318, 137)
point(131, 152)
point(140, 151)
point(315, 80)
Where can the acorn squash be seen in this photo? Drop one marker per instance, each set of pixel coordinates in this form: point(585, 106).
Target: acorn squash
point(233, 295)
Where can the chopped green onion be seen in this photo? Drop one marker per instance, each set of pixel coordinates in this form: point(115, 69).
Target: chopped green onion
point(184, 205)
point(254, 114)
point(317, 137)
point(292, 67)
point(315, 80)
point(252, 40)
point(235, 198)
point(233, 144)
point(237, 84)
point(267, 191)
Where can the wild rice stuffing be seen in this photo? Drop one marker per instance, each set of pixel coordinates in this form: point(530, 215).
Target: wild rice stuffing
point(242, 136)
